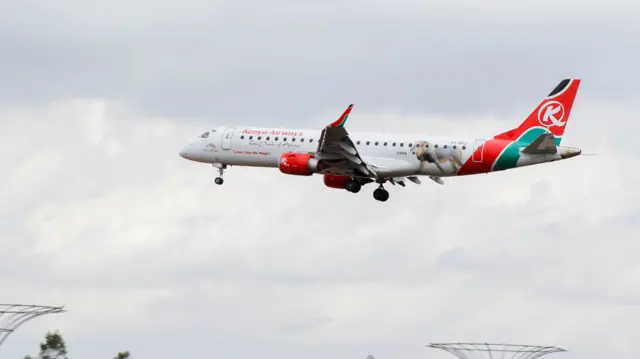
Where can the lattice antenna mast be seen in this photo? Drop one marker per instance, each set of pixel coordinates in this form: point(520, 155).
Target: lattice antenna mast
point(495, 351)
point(13, 316)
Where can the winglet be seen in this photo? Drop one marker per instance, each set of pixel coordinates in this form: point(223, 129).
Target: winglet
point(343, 119)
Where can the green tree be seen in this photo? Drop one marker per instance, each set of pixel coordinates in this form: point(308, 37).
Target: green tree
point(53, 347)
point(123, 355)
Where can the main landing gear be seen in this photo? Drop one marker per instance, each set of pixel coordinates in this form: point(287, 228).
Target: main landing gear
point(353, 186)
point(221, 168)
point(381, 194)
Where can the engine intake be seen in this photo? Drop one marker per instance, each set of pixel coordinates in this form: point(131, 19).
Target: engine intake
point(298, 164)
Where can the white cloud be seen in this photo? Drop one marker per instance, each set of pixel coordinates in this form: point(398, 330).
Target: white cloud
point(102, 215)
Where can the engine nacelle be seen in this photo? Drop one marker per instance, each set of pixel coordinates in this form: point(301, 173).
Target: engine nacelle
point(298, 164)
point(334, 181)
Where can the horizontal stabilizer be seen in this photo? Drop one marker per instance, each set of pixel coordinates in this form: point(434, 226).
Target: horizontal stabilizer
point(543, 145)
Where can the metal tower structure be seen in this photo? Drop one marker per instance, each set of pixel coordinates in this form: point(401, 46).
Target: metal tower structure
point(495, 351)
point(14, 315)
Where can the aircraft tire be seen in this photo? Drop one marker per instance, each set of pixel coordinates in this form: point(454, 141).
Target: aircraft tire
point(353, 186)
point(381, 194)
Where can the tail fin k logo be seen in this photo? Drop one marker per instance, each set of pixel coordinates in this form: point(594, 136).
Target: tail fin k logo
point(552, 114)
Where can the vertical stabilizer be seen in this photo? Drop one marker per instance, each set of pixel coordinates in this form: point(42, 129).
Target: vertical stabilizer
point(550, 116)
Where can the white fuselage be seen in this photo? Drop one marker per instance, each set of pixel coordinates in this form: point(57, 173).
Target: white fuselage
point(348, 160)
point(393, 154)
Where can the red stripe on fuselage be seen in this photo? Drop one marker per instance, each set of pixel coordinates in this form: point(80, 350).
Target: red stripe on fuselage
point(488, 152)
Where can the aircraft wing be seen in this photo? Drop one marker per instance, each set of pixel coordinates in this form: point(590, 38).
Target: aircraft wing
point(338, 153)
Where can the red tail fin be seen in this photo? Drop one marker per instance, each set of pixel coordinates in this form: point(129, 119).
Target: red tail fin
point(551, 115)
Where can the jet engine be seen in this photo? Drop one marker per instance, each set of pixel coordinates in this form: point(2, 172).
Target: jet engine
point(334, 181)
point(298, 164)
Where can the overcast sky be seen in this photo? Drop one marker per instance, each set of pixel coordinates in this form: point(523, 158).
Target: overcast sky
point(100, 214)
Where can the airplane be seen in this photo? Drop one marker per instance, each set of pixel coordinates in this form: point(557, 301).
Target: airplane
point(351, 160)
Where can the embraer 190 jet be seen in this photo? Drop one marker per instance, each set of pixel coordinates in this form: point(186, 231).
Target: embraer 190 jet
point(351, 160)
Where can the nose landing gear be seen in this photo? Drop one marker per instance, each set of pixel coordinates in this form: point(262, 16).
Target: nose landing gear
point(221, 167)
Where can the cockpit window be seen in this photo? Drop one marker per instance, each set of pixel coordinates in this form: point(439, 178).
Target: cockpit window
point(204, 135)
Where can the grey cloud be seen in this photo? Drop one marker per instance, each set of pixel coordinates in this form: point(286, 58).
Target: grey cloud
point(285, 61)
point(99, 213)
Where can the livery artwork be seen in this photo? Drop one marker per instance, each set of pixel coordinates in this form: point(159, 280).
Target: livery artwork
point(448, 159)
point(210, 147)
point(553, 114)
point(251, 153)
point(268, 138)
point(271, 133)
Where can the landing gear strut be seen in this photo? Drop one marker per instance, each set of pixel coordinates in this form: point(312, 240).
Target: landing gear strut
point(221, 168)
point(381, 194)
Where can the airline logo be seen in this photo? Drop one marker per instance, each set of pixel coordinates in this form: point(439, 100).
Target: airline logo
point(272, 133)
point(552, 114)
point(284, 162)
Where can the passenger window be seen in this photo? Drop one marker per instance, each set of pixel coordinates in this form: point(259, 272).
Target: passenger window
point(357, 143)
point(259, 137)
point(402, 145)
point(250, 137)
point(242, 137)
point(394, 144)
point(385, 144)
point(310, 140)
point(267, 138)
point(284, 139)
point(302, 140)
point(376, 143)
point(275, 139)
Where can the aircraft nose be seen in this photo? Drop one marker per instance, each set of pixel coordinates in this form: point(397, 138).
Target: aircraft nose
point(184, 152)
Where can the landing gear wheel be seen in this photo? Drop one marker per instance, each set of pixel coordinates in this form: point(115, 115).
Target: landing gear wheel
point(381, 194)
point(221, 168)
point(353, 186)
